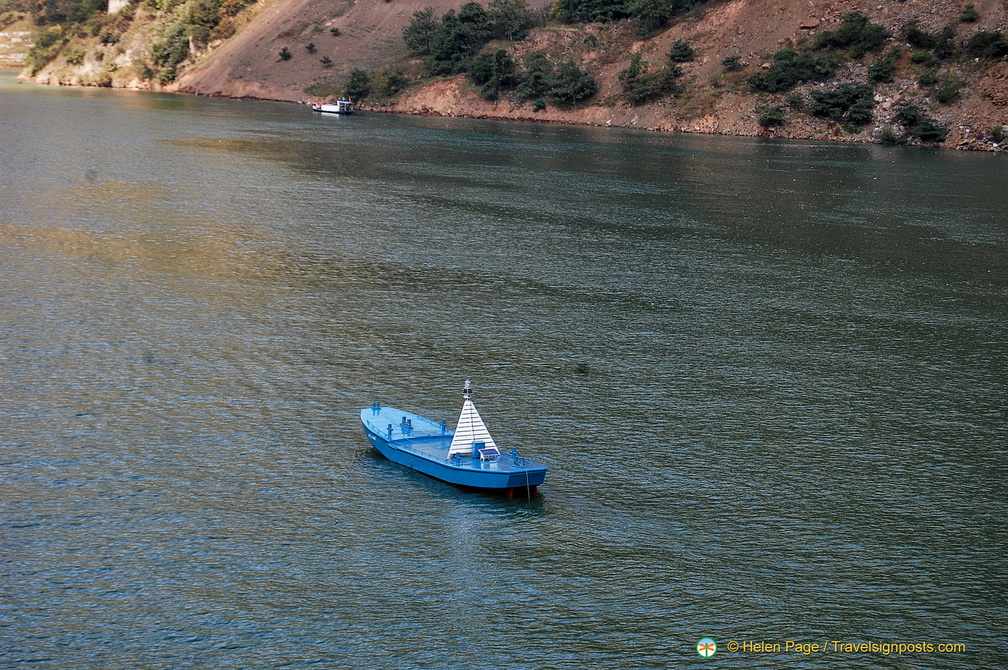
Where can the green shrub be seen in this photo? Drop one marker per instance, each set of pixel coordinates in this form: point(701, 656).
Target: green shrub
point(946, 47)
point(570, 85)
point(907, 114)
point(590, 11)
point(494, 71)
point(922, 58)
point(387, 82)
point(918, 125)
point(230, 8)
point(890, 139)
point(790, 68)
point(170, 50)
point(75, 56)
point(143, 69)
point(849, 102)
point(310, 47)
point(510, 19)
point(478, 22)
point(929, 131)
point(882, 70)
point(536, 79)
point(969, 14)
point(460, 35)
point(491, 65)
point(47, 37)
point(449, 43)
point(918, 38)
point(66, 12)
point(941, 45)
point(642, 85)
point(285, 54)
point(857, 35)
point(928, 78)
point(988, 45)
point(947, 92)
point(652, 14)
point(681, 52)
point(732, 63)
point(202, 14)
point(772, 117)
point(357, 85)
point(326, 61)
point(48, 42)
point(634, 71)
point(225, 29)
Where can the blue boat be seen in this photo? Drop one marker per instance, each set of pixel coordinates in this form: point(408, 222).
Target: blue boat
point(466, 456)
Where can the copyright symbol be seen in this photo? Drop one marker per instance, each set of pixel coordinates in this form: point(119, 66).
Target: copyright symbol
point(733, 646)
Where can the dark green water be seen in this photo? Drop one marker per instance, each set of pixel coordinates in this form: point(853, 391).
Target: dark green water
point(770, 380)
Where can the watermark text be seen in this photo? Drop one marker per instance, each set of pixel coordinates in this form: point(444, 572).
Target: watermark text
point(808, 648)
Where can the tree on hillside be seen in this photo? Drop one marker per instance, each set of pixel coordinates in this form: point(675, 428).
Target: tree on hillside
point(358, 84)
point(652, 14)
point(494, 71)
point(420, 32)
point(451, 42)
point(571, 85)
point(450, 48)
point(475, 23)
point(537, 78)
point(510, 19)
point(589, 11)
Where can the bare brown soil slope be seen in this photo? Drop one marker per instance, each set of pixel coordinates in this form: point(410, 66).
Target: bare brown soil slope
point(248, 65)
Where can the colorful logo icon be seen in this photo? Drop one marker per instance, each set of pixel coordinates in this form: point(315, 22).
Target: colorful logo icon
point(706, 647)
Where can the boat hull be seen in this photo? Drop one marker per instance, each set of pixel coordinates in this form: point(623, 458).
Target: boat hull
point(423, 446)
point(342, 108)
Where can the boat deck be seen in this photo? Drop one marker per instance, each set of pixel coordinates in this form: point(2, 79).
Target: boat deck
point(430, 439)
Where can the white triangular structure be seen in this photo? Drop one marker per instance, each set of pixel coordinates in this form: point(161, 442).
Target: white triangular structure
point(470, 427)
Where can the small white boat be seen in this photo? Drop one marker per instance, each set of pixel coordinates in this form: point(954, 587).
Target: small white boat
point(339, 107)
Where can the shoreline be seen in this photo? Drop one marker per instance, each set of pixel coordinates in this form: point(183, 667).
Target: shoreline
point(463, 106)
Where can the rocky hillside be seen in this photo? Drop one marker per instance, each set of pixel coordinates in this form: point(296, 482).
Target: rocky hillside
point(919, 71)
